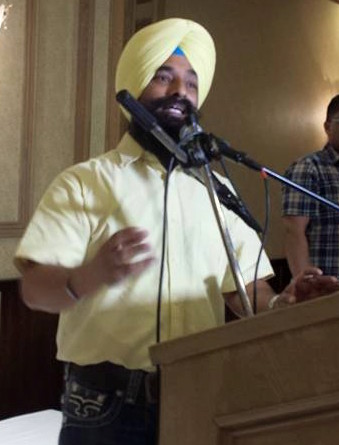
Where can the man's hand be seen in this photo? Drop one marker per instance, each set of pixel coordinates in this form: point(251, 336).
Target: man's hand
point(44, 287)
point(117, 258)
point(307, 285)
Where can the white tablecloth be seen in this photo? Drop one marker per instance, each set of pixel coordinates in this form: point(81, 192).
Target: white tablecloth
point(39, 428)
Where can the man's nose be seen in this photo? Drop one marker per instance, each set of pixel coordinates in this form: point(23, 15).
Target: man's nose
point(178, 87)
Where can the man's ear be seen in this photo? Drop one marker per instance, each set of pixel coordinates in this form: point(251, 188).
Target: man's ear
point(326, 127)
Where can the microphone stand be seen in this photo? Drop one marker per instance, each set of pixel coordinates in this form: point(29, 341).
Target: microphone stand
point(196, 158)
point(199, 161)
point(215, 147)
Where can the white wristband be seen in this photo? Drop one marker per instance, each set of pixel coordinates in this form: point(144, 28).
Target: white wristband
point(272, 301)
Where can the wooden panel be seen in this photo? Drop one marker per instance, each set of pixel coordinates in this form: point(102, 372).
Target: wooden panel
point(40, 94)
point(99, 81)
point(56, 84)
point(54, 113)
point(30, 376)
point(126, 17)
point(309, 421)
point(121, 28)
point(271, 379)
point(84, 80)
point(22, 133)
point(146, 12)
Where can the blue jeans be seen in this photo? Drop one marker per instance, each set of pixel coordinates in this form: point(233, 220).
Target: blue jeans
point(96, 415)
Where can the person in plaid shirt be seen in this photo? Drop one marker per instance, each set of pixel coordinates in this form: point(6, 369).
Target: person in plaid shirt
point(311, 228)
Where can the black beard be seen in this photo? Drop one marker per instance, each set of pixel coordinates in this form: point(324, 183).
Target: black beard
point(151, 144)
point(170, 124)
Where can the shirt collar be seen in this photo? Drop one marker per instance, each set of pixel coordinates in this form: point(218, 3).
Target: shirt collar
point(331, 154)
point(130, 151)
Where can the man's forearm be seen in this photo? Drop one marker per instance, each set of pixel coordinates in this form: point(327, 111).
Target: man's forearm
point(56, 288)
point(297, 252)
point(46, 288)
point(264, 295)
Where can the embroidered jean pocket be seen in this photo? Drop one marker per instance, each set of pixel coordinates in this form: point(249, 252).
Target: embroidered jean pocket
point(86, 407)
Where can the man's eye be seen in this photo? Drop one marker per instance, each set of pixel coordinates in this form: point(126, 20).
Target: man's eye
point(192, 85)
point(163, 78)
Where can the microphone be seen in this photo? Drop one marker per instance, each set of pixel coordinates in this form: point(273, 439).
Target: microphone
point(213, 146)
point(192, 135)
point(192, 127)
point(221, 147)
point(148, 123)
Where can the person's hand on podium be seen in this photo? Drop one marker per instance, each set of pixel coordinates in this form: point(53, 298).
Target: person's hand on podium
point(307, 285)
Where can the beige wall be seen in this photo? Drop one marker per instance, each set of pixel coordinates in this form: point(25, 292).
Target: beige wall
point(57, 104)
point(277, 68)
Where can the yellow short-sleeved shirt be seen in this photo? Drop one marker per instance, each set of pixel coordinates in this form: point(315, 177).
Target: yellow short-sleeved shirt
point(88, 203)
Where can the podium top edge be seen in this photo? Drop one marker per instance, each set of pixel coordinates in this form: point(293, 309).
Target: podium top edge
point(260, 326)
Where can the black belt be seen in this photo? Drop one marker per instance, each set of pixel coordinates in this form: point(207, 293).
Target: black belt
point(135, 383)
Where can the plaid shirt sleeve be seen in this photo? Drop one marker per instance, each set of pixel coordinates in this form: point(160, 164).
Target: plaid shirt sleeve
point(294, 203)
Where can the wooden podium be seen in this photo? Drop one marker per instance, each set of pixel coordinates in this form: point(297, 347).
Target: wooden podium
point(269, 380)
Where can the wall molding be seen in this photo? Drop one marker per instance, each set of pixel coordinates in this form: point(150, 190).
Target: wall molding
point(121, 26)
point(13, 229)
point(126, 16)
point(84, 80)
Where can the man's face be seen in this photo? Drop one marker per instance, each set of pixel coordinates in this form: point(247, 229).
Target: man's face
point(172, 93)
point(332, 130)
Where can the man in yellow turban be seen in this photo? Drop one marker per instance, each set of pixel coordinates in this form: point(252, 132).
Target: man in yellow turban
point(151, 58)
point(126, 267)
point(149, 48)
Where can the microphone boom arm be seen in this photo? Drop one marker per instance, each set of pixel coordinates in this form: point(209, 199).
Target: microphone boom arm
point(222, 148)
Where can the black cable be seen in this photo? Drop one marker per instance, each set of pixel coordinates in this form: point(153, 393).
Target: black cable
point(227, 175)
point(163, 249)
point(263, 237)
point(263, 241)
point(161, 276)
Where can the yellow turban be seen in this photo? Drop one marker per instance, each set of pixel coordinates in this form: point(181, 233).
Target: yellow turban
point(150, 47)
